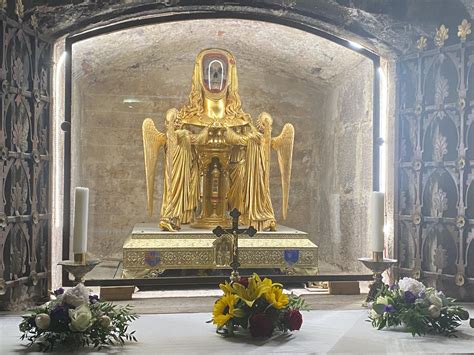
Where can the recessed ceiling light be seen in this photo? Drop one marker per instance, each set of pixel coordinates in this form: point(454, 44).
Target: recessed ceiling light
point(355, 45)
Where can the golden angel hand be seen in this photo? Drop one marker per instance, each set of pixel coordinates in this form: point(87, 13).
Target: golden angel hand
point(283, 145)
point(153, 140)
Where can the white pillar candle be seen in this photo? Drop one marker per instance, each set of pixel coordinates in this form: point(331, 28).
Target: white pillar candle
point(377, 215)
point(81, 213)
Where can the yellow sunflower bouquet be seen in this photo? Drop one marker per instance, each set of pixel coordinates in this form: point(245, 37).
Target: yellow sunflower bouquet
point(257, 305)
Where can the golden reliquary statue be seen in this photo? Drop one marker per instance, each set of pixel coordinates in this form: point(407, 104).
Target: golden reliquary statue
point(216, 157)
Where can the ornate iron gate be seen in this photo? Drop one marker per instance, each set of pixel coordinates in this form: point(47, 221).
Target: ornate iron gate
point(24, 157)
point(435, 204)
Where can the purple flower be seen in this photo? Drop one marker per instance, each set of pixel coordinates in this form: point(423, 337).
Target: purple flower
point(409, 297)
point(31, 322)
point(59, 291)
point(60, 317)
point(93, 299)
point(389, 308)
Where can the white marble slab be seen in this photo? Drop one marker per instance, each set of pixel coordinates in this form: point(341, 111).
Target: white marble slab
point(186, 229)
point(323, 332)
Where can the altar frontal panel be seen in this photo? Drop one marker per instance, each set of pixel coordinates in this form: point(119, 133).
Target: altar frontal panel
point(149, 251)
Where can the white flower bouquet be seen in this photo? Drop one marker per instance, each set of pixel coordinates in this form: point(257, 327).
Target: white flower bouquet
point(421, 310)
point(75, 318)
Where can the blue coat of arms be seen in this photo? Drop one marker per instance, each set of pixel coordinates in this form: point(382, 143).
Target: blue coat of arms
point(291, 256)
point(152, 258)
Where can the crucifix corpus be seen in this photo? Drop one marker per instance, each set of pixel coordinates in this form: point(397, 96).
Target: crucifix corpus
point(234, 232)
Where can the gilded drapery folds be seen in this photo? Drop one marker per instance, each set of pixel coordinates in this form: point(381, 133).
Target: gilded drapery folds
point(216, 157)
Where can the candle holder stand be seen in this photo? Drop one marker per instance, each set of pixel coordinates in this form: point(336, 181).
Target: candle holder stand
point(377, 264)
point(79, 267)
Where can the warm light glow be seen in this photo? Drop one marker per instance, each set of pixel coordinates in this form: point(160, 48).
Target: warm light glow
point(355, 45)
point(58, 153)
point(57, 137)
point(383, 129)
point(131, 100)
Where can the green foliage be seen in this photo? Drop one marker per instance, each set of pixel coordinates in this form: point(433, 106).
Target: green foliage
point(392, 308)
point(295, 302)
point(378, 308)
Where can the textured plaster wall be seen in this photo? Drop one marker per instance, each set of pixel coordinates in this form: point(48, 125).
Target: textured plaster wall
point(345, 165)
point(323, 89)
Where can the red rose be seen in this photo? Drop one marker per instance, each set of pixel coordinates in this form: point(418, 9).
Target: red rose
point(244, 281)
point(293, 319)
point(260, 325)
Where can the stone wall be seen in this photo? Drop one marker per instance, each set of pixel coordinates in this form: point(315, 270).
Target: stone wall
point(345, 161)
point(386, 26)
point(324, 90)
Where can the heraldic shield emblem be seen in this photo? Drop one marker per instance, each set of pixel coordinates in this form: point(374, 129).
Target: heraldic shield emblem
point(291, 256)
point(152, 258)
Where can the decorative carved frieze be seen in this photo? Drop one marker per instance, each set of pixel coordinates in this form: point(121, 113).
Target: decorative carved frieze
point(148, 248)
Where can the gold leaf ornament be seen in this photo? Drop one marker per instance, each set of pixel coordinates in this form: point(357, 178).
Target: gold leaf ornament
point(441, 36)
point(34, 22)
point(464, 29)
point(19, 9)
point(421, 43)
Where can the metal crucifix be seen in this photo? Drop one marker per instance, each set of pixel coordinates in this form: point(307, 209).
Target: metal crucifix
point(234, 232)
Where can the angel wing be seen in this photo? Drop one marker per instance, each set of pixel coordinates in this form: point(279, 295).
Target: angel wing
point(264, 124)
point(152, 142)
point(283, 145)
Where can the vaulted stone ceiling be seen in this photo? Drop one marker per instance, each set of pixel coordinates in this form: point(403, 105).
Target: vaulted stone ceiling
point(258, 46)
point(389, 27)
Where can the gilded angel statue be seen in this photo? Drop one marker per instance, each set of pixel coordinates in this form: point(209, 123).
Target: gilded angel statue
point(216, 157)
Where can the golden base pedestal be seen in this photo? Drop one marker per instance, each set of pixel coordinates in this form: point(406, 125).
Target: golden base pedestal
point(205, 222)
point(149, 251)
